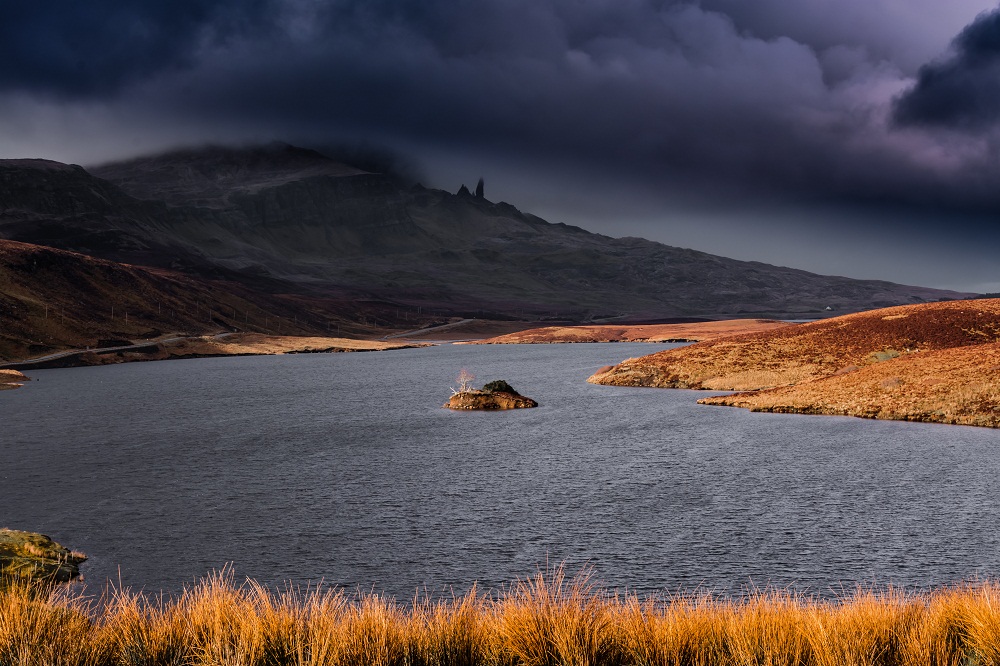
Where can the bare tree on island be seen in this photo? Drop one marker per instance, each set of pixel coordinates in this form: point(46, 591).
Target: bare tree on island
point(464, 379)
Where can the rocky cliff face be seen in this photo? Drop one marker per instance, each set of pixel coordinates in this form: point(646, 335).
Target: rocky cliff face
point(307, 224)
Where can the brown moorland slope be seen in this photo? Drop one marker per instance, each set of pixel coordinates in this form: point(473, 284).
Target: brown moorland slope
point(955, 385)
point(808, 351)
point(686, 332)
point(51, 300)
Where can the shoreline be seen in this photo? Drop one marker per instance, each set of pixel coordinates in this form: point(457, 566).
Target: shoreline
point(207, 346)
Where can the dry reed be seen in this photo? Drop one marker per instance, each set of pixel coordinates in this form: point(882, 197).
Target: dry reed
point(546, 620)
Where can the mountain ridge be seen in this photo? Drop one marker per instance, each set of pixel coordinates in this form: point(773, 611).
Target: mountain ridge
point(289, 219)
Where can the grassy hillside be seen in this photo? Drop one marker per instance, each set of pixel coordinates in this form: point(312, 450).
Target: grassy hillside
point(52, 300)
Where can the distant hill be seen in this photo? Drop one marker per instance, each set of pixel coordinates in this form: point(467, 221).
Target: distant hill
point(691, 331)
point(284, 220)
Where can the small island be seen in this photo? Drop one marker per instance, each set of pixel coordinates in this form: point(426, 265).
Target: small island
point(494, 395)
point(28, 556)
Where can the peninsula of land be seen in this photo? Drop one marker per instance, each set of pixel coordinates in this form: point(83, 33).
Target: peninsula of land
point(934, 362)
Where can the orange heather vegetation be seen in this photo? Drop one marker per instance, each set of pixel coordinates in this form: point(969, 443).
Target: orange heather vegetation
point(690, 332)
point(930, 362)
point(543, 621)
point(945, 386)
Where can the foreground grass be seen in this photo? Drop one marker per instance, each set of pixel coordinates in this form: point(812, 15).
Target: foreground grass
point(543, 621)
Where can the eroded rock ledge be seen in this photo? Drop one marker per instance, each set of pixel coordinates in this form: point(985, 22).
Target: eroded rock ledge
point(29, 556)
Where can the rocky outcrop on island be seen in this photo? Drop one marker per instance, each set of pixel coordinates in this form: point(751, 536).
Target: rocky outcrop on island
point(935, 362)
point(493, 396)
point(11, 379)
point(29, 557)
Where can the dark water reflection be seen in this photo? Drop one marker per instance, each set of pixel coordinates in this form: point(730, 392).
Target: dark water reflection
point(345, 468)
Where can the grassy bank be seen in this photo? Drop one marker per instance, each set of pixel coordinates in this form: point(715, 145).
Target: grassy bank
point(544, 621)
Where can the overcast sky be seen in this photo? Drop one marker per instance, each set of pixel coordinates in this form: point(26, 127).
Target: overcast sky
point(851, 137)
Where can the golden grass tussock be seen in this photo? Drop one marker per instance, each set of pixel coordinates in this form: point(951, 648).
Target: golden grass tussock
point(546, 620)
point(550, 621)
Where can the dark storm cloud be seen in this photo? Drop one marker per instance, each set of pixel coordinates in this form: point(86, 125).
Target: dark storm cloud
point(663, 86)
point(963, 90)
point(70, 48)
point(672, 96)
point(669, 95)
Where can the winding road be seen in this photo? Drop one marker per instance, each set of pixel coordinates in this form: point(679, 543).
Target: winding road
point(14, 365)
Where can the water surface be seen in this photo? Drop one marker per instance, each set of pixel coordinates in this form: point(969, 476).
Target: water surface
point(344, 468)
